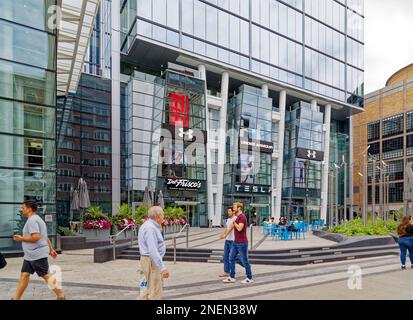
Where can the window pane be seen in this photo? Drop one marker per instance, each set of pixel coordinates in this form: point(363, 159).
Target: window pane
point(26, 45)
point(27, 83)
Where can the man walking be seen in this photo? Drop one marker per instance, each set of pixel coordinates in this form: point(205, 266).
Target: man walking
point(229, 241)
point(240, 245)
point(152, 249)
point(36, 247)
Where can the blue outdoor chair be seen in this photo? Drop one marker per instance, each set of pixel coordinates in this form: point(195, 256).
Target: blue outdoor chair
point(275, 232)
point(299, 230)
point(266, 228)
point(285, 234)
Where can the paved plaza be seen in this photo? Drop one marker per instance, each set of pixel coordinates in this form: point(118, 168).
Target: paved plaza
point(209, 239)
point(84, 280)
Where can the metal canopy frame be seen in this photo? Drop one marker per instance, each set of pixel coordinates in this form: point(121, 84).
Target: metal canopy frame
point(75, 29)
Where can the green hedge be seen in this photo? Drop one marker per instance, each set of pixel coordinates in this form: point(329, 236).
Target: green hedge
point(357, 228)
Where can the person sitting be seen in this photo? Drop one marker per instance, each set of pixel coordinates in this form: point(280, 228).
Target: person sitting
point(294, 224)
point(282, 222)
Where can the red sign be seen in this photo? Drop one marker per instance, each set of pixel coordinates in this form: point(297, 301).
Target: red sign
point(179, 110)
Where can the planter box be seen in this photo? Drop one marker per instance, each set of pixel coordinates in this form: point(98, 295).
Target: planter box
point(96, 234)
point(127, 234)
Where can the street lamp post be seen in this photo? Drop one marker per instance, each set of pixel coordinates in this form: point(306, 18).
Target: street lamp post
point(331, 199)
point(336, 193)
point(373, 192)
point(345, 188)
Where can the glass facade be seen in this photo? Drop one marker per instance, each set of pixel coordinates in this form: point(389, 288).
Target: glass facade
point(84, 145)
point(317, 45)
point(302, 170)
point(248, 171)
point(27, 115)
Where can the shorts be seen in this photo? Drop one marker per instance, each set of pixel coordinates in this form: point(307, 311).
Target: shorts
point(41, 267)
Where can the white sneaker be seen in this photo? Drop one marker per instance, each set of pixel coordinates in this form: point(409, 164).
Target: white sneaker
point(229, 280)
point(246, 281)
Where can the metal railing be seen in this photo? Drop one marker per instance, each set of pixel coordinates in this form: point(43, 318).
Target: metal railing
point(251, 225)
point(113, 238)
point(177, 235)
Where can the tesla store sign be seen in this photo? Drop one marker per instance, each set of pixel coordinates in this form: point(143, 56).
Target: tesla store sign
point(183, 184)
point(310, 154)
point(248, 188)
point(263, 146)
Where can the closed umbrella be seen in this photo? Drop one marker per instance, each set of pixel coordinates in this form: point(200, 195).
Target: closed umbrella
point(160, 200)
point(84, 201)
point(147, 198)
point(74, 204)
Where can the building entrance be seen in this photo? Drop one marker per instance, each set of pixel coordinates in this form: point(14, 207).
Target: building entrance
point(192, 212)
point(256, 208)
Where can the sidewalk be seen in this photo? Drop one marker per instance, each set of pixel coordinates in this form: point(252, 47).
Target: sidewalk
point(82, 279)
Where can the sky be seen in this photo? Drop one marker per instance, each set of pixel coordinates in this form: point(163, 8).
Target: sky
point(388, 40)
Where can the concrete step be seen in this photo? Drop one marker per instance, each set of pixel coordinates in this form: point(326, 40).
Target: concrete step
point(302, 260)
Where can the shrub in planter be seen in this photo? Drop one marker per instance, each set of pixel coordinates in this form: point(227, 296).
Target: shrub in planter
point(357, 228)
point(140, 214)
point(96, 224)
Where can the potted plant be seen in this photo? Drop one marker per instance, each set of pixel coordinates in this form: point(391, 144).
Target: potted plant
point(122, 220)
point(175, 218)
point(140, 214)
point(96, 224)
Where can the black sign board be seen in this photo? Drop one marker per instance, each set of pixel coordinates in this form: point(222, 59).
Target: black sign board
point(310, 154)
point(263, 146)
point(185, 134)
point(183, 184)
point(249, 188)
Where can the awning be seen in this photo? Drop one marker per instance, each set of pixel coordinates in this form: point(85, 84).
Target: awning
point(75, 29)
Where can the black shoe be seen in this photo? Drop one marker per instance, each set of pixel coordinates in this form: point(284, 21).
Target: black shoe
point(403, 267)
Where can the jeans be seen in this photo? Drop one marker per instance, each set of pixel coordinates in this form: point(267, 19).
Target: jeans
point(242, 249)
point(227, 250)
point(406, 243)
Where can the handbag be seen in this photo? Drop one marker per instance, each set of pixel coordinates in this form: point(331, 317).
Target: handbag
point(3, 261)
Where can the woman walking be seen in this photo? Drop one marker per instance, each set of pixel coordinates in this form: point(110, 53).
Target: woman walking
point(405, 232)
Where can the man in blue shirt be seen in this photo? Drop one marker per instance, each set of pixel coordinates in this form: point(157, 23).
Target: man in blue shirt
point(152, 249)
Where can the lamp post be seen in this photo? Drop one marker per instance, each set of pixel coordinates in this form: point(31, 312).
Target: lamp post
point(331, 177)
point(385, 190)
point(365, 184)
point(373, 192)
point(336, 193)
point(344, 165)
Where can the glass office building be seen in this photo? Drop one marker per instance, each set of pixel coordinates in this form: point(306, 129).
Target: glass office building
point(284, 77)
point(27, 115)
point(84, 147)
point(315, 44)
point(295, 66)
point(37, 64)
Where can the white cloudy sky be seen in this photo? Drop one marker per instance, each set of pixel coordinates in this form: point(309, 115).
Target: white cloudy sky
point(388, 40)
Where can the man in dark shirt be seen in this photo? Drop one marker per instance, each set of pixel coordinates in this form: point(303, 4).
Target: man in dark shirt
point(240, 244)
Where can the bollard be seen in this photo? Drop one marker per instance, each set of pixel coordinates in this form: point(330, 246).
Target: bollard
point(114, 249)
point(174, 250)
point(251, 236)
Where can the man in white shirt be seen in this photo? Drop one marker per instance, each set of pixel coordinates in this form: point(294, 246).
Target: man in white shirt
point(152, 250)
point(229, 241)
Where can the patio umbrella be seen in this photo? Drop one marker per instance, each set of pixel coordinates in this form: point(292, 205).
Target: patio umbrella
point(74, 203)
point(160, 200)
point(147, 198)
point(84, 201)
